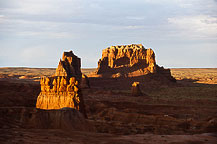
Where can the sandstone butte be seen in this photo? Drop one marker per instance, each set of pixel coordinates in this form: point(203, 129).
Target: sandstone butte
point(62, 89)
point(128, 61)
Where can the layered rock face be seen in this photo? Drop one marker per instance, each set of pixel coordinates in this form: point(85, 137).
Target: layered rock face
point(69, 66)
point(57, 93)
point(62, 90)
point(127, 59)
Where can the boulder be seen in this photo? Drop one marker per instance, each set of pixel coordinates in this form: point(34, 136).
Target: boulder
point(135, 90)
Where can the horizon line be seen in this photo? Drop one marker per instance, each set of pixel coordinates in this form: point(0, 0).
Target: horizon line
point(96, 67)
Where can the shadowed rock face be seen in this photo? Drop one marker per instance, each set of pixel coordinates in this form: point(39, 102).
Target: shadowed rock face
point(65, 118)
point(84, 82)
point(32, 118)
point(69, 66)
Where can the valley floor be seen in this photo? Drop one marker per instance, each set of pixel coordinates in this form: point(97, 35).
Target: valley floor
point(171, 113)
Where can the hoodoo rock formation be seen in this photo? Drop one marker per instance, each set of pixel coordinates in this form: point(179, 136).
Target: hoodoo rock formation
point(57, 93)
point(62, 89)
point(128, 60)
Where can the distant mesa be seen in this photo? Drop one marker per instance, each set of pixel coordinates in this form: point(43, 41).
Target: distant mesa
point(62, 89)
point(128, 61)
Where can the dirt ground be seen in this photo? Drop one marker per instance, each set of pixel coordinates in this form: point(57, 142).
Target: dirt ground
point(168, 112)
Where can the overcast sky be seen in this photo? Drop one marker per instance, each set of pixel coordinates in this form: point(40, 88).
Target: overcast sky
point(34, 33)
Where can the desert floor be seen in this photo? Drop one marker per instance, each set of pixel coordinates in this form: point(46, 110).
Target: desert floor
point(184, 112)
